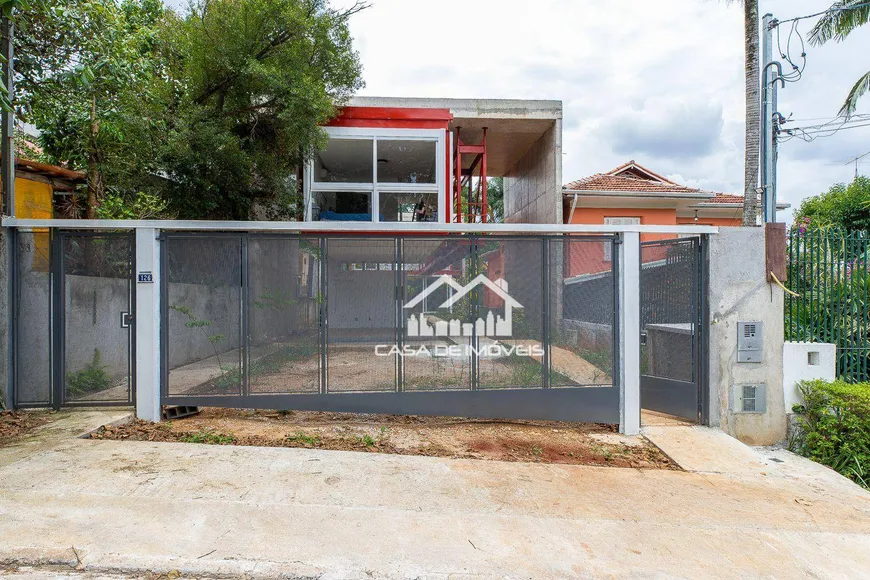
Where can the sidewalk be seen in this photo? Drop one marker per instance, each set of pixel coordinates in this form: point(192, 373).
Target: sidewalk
point(139, 506)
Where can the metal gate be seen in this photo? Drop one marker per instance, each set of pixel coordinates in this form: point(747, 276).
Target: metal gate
point(672, 305)
point(73, 319)
point(430, 324)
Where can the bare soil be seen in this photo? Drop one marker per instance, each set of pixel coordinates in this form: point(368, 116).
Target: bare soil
point(16, 424)
point(526, 441)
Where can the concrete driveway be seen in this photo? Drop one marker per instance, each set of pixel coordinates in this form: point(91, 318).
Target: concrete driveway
point(139, 506)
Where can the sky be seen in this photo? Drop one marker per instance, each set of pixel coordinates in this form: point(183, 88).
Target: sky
point(658, 82)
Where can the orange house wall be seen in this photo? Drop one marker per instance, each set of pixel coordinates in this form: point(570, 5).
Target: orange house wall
point(589, 258)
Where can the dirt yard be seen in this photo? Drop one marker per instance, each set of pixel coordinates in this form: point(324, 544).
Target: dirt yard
point(16, 424)
point(526, 441)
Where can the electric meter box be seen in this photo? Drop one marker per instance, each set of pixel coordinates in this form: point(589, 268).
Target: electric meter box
point(750, 335)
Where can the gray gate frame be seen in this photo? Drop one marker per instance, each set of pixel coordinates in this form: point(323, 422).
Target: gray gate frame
point(57, 320)
point(148, 334)
point(587, 403)
point(700, 339)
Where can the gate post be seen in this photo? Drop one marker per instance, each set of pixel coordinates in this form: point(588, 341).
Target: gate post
point(147, 324)
point(629, 333)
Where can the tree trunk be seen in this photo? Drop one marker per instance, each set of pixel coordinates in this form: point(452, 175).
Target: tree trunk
point(753, 113)
point(95, 176)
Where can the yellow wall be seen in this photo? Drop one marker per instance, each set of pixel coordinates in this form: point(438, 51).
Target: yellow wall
point(33, 199)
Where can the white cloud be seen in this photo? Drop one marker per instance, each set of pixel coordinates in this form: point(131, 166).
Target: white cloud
point(633, 67)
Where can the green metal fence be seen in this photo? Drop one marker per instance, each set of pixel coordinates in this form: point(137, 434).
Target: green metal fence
point(828, 270)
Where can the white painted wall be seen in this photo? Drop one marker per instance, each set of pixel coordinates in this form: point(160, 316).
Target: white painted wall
point(806, 361)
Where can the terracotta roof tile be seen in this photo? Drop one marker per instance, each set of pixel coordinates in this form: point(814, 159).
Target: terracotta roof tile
point(603, 182)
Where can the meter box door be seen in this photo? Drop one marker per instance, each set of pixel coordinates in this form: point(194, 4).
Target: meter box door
point(750, 335)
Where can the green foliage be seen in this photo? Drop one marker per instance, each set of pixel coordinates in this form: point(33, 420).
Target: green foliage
point(834, 427)
point(93, 378)
point(837, 25)
point(211, 110)
point(846, 206)
point(141, 206)
point(208, 438)
point(303, 439)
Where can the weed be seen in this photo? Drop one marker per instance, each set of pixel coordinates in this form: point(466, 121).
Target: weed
point(304, 439)
point(209, 438)
point(93, 378)
point(365, 440)
point(537, 451)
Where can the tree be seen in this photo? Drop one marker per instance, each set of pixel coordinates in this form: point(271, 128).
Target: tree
point(257, 79)
point(212, 110)
point(752, 69)
point(85, 72)
point(845, 206)
point(836, 24)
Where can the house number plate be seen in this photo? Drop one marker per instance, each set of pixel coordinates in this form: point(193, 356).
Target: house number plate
point(146, 278)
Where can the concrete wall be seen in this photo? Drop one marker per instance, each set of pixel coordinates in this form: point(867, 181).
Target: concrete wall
point(806, 361)
point(533, 186)
point(739, 290)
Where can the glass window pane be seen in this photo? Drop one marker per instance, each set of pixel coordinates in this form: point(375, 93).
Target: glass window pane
point(406, 161)
point(341, 206)
point(344, 161)
point(408, 207)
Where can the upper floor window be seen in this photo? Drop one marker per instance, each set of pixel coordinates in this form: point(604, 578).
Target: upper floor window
point(379, 175)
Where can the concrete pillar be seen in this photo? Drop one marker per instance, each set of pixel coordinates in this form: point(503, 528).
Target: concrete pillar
point(629, 333)
point(148, 325)
point(739, 290)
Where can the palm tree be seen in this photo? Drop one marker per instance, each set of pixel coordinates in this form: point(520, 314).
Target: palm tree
point(836, 24)
point(753, 110)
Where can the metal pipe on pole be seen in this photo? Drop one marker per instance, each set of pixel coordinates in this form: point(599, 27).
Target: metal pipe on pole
point(771, 75)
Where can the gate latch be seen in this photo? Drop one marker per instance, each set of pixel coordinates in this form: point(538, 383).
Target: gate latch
point(126, 319)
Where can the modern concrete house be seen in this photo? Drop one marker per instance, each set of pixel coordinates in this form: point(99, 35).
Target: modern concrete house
point(400, 160)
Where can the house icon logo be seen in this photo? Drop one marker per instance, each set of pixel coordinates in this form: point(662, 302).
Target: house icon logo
point(419, 326)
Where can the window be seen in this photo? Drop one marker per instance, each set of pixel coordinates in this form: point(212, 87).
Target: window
point(379, 175)
point(617, 221)
point(345, 161)
point(408, 207)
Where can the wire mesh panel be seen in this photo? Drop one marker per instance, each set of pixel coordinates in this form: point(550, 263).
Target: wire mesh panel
point(284, 344)
point(203, 300)
point(361, 306)
point(436, 354)
point(508, 282)
point(33, 320)
point(670, 306)
point(582, 340)
point(96, 305)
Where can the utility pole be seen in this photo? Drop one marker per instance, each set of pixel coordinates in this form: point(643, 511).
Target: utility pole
point(7, 127)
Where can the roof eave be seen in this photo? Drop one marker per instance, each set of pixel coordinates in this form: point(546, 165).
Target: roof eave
point(651, 194)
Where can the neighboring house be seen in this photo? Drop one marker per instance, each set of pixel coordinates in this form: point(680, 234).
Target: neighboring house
point(633, 194)
point(38, 186)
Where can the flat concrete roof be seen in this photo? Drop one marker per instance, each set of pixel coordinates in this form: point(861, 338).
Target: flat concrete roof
point(513, 125)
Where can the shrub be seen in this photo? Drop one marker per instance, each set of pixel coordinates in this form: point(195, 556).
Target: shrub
point(834, 427)
point(93, 378)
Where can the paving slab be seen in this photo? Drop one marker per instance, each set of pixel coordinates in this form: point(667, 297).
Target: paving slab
point(143, 506)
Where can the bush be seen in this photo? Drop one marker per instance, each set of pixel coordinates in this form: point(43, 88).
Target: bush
point(834, 427)
point(93, 378)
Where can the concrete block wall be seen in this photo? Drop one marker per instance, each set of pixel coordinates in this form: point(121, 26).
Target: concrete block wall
point(739, 291)
point(533, 186)
point(806, 361)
